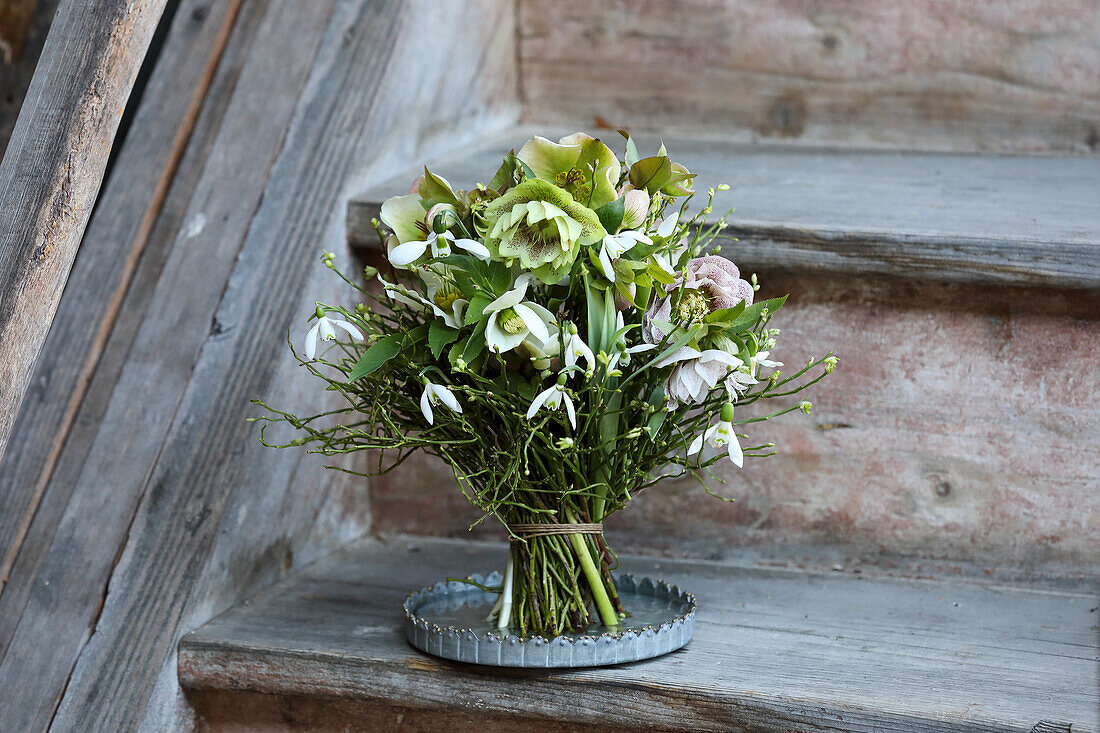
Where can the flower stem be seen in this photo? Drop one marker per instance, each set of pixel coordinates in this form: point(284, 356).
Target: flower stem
point(595, 581)
point(506, 594)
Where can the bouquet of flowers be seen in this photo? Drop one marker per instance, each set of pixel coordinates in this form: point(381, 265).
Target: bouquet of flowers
point(563, 337)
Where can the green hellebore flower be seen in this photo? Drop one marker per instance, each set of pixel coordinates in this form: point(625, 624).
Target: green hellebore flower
point(579, 164)
point(543, 227)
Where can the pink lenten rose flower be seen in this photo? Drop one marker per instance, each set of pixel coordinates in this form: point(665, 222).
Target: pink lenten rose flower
point(710, 283)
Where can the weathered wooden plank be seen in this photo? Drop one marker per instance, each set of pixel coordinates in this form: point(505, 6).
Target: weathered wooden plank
point(221, 515)
point(238, 712)
point(932, 74)
point(53, 168)
point(117, 237)
point(775, 650)
point(158, 364)
point(1029, 220)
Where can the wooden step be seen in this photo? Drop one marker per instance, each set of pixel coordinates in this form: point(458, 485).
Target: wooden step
point(1013, 219)
point(774, 650)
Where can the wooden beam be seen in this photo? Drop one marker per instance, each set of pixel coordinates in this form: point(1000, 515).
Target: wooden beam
point(152, 161)
point(53, 168)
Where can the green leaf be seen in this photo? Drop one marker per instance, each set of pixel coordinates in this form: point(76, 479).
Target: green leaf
point(435, 189)
point(656, 420)
point(651, 173)
point(505, 175)
point(631, 149)
point(611, 214)
point(527, 172)
point(660, 275)
point(725, 314)
point(439, 335)
point(378, 354)
point(476, 308)
point(476, 343)
point(751, 315)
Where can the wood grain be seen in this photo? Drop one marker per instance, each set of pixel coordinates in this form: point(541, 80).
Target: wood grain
point(89, 310)
point(158, 364)
point(1027, 220)
point(931, 74)
point(222, 515)
point(53, 168)
point(774, 650)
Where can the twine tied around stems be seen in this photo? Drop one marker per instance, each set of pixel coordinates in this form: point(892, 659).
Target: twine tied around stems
point(527, 531)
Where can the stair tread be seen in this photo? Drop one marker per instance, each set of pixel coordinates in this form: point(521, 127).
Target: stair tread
point(998, 218)
point(773, 648)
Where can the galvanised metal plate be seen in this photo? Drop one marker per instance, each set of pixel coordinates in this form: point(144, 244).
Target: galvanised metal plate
point(448, 620)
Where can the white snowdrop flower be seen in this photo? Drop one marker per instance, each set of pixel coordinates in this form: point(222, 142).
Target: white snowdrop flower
point(576, 350)
point(512, 321)
point(614, 245)
point(325, 330)
point(760, 359)
point(440, 245)
point(721, 434)
point(433, 395)
point(552, 398)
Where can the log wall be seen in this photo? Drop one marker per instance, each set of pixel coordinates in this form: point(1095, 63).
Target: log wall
point(955, 75)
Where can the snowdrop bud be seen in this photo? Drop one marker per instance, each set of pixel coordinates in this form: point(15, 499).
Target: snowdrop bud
point(565, 443)
point(370, 272)
point(328, 259)
point(634, 434)
point(460, 364)
point(727, 412)
point(635, 208)
point(774, 377)
point(545, 374)
point(361, 310)
point(723, 187)
point(752, 280)
point(613, 373)
point(805, 406)
point(830, 364)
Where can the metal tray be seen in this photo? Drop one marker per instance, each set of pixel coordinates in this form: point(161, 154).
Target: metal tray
point(448, 620)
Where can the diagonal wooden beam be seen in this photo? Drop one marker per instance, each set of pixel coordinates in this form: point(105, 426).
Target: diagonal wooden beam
point(53, 168)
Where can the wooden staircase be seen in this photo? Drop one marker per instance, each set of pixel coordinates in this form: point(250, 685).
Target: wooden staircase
point(923, 177)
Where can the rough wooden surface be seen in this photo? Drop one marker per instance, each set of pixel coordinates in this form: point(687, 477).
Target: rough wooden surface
point(971, 218)
point(935, 74)
point(237, 712)
point(774, 650)
point(198, 514)
point(115, 242)
point(53, 167)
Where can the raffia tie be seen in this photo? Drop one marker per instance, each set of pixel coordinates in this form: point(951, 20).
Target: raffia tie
point(527, 531)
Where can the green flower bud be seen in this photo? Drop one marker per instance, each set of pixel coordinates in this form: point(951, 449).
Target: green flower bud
point(727, 412)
